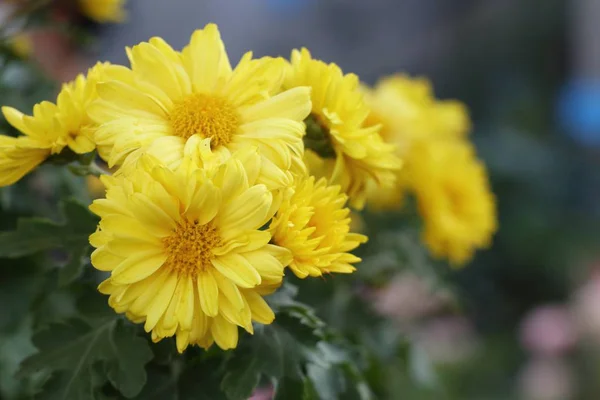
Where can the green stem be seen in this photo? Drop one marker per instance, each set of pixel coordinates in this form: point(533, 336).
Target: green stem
point(97, 170)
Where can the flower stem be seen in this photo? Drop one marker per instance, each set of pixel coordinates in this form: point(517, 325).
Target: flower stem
point(97, 170)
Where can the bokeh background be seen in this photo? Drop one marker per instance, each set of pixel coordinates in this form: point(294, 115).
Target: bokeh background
point(523, 320)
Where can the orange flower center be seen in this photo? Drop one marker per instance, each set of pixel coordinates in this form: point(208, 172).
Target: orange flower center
point(210, 116)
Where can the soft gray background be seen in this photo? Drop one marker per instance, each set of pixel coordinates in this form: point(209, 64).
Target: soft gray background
point(369, 37)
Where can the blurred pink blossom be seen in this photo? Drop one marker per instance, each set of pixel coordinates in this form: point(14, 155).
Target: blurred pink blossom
point(546, 378)
point(408, 297)
point(548, 330)
point(265, 393)
point(447, 340)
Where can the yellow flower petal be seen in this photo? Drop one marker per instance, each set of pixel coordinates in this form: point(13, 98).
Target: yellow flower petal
point(224, 333)
point(261, 312)
point(161, 302)
point(209, 293)
point(139, 266)
point(238, 269)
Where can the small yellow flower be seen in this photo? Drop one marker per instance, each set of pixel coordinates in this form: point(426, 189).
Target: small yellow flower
point(338, 145)
point(21, 45)
point(454, 198)
point(174, 96)
point(185, 251)
point(314, 224)
point(51, 129)
point(407, 111)
point(103, 11)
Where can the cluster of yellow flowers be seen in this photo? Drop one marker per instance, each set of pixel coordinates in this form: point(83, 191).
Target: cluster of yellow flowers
point(226, 175)
point(441, 169)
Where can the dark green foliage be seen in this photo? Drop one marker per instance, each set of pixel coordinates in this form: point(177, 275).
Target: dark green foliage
point(35, 234)
point(70, 350)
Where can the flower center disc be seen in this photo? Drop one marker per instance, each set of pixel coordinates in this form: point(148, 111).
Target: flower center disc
point(210, 116)
point(189, 248)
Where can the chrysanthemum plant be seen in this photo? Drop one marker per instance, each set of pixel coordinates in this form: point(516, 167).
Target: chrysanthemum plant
point(227, 189)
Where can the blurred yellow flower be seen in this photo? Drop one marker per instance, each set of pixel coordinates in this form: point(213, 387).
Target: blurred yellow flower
point(314, 224)
point(407, 111)
point(95, 186)
point(185, 251)
point(51, 129)
point(21, 45)
point(441, 169)
point(174, 96)
point(454, 198)
point(338, 145)
point(103, 11)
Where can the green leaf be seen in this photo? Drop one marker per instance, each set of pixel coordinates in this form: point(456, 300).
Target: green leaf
point(309, 392)
point(327, 382)
point(284, 296)
point(73, 269)
point(34, 235)
point(201, 382)
point(14, 347)
point(38, 234)
point(290, 389)
point(241, 378)
point(70, 350)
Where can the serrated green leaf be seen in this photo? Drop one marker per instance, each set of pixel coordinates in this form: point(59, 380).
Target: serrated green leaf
point(279, 353)
point(34, 235)
point(38, 234)
point(73, 269)
point(242, 377)
point(72, 348)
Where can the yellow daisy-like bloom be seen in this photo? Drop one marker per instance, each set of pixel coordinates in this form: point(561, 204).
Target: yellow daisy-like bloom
point(177, 95)
point(454, 198)
point(103, 11)
point(407, 112)
point(185, 252)
point(314, 224)
point(338, 145)
point(51, 128)
point(197, 151)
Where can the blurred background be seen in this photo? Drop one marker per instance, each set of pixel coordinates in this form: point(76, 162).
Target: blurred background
point(523, 320)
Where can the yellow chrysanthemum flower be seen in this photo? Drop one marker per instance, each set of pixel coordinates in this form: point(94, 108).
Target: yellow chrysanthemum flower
point(197, 151)
point(454, 198)
point(338, 146)
point(185, 252)
point(176, 95)
point(104, 11)
point(314, 224)
point(51, 128)
point(407, 111)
